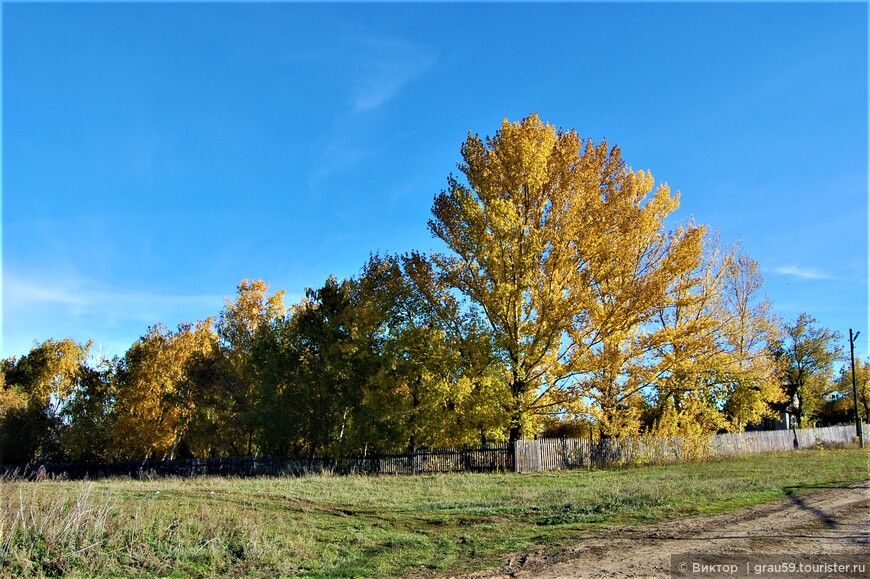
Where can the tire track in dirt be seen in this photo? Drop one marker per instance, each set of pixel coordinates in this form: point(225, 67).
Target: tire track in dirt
point(815, 524)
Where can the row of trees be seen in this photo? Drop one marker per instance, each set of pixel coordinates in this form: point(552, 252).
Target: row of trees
point(563, 298)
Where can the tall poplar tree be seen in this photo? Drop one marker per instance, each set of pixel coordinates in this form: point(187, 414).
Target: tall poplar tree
point(564, 251)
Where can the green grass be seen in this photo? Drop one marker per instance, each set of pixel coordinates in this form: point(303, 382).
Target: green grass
point(323, 526)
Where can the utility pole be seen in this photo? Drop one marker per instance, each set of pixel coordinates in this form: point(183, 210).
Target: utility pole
point(858, 429)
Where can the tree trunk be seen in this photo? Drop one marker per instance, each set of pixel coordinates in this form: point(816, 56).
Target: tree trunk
point(518, 389)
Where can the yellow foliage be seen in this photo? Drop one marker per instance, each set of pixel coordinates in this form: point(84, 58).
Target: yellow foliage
point(151, 409)
point(11, 399)
point(49, 373)
point(564, 250)
point(862, 387)
point(686, 432)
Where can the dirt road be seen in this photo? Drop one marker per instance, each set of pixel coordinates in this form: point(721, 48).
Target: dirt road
point(813, 525)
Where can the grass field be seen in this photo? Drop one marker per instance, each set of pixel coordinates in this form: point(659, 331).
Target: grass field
point(324, 526)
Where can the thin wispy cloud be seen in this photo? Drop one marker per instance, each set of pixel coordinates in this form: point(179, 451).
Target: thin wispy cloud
point(42, 305)
point(806, 273)
point(78, 296)
point(380, 69)
point(388, 65)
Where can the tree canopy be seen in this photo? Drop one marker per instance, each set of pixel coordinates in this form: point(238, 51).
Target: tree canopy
point(567, 298)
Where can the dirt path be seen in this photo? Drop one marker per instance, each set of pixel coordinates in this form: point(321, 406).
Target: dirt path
point(814, 525)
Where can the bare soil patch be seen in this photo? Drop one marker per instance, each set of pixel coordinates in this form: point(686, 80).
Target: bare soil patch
point(814, 523)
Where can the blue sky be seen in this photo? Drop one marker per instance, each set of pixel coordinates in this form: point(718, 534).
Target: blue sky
point(154, 155)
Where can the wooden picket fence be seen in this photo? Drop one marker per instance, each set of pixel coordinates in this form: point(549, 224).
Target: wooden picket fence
point(573, 453)
point(773, 440)
point(525, 456)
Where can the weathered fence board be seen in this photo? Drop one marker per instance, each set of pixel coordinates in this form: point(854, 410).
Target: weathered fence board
point(556, 454)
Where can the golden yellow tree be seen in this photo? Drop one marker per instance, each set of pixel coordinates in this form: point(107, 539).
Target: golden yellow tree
point(49, 372)
point(564, 251)
point(862, 386)
point(153, 406)
point(637, 266)
point(713, 349)
point(752, 378)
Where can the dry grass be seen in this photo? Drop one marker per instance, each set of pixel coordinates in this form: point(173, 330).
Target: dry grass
point(326, 526)
point(49, 533)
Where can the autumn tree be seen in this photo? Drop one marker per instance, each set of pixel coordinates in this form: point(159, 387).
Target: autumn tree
point(688, 360)
point(565, 254)
point(862, 385)
point(712, 353)
point(751, 376)
point(636, 266)
point(36, 389)
point(224, 380)
point(807, 353)
point(840, 408)
point(154, 404)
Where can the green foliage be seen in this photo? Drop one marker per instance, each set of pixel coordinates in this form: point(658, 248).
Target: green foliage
point(368, 365)
point(222, 380)
point(438, 382)
point(331, 358)
point(807, 354)
point(88, 436)
point(27, 434)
